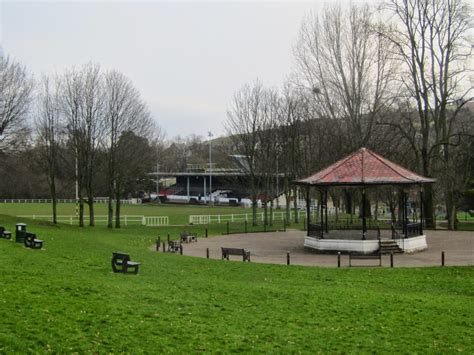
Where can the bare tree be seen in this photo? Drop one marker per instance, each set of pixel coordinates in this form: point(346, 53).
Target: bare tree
point(268, 152)
point(48, 131)
point(125, 111)
point(92, 115)
point(347, 64)
point(243, 123)
point(15, 98)
point(430, 42)
point(72, 104)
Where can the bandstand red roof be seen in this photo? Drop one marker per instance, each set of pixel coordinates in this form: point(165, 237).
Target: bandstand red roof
point(364, 167)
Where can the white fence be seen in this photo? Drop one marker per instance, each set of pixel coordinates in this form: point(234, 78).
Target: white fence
point(151, 221)
point(154, 221)
point(133, 201)
point(241, 217)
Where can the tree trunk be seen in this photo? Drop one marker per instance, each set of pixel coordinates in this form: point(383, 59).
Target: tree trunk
point(401, 206)
point(254, 209)
point(55, 209)
point(295, 204)
point(450, 209)
point(110, 210)
point(428, 206)
point(117, 209)
point(90, 202)
point(376, 214)
point(81, 211)
point(288, 207)
point(265, 213)
point(271, 212)
point(348, 195)
point(52, 188)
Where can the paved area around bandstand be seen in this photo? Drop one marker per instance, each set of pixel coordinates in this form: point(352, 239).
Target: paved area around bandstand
point(272, 248)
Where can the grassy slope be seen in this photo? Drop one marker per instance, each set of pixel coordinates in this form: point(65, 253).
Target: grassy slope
point(65, 298)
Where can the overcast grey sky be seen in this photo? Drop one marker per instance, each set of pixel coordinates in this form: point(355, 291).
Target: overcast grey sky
point(186, 58)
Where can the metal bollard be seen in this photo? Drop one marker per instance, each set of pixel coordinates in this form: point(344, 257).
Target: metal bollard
point(158, 244)
point(168, 238)
point(206, 232)
point(288, 258)
point(391, 259)
point(163, 247)
point(207, 253)
point(338, 259)
point(181, 249)
point(442, 258)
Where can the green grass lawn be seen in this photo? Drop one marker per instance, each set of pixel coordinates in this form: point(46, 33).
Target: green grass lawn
point(179, 214)
point(65, 299)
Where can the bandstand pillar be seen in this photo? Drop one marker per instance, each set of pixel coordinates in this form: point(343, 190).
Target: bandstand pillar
point(308, 211)
point(421, 209)
point(405, 213)
point(321, 213)
point(326, 211)
point(364, 223)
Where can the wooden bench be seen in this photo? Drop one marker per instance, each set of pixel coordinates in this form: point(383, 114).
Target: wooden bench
point(226, 252)
point(187, 237)
point(30, 241)
point(175, 246)
point(365, 257)
point(4, 233)
point(121, 263)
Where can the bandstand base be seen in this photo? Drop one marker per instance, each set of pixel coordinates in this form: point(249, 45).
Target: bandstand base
point(409, 245)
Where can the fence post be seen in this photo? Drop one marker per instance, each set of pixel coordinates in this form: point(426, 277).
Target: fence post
point(227, 227)
point(143, 221)
point(338, 259)
point(391, 259)
point(442, 258)
point(70, 220)
point(207, 253)
point(304, 224)
point(288, 258)
point(125, 220)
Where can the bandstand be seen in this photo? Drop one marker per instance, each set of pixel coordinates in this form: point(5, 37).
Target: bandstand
point(364, 170)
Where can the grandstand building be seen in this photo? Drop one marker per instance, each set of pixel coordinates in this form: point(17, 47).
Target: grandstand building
point(199, 185)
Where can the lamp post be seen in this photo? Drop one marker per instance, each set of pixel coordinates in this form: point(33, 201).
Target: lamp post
point(157, 183)
point(210, 135)
point(77, 186)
